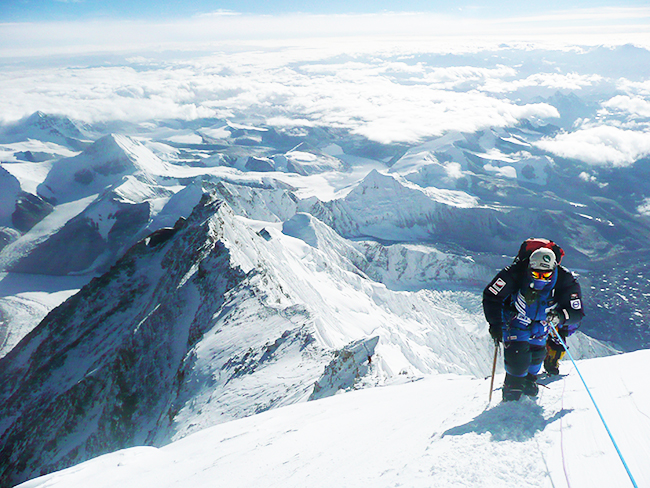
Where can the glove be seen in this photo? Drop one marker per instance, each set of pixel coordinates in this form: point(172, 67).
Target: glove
point(555, 318)
point(496, 333)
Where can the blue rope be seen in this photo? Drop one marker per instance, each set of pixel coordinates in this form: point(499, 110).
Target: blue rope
point(629, 473)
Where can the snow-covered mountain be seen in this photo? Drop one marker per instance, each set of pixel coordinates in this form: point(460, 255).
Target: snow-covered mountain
point(45, 128)
point(266, 295)
point(159, 278)
point(102, 164)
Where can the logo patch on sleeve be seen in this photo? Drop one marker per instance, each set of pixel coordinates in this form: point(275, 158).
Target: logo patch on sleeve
point(497, 286)
point(576, 304)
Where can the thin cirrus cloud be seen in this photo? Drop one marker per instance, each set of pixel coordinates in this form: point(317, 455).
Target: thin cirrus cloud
point(594, 25)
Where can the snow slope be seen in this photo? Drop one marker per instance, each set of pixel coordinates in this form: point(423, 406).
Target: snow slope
point(39, 126)
point(437, 432)
point(26, 299)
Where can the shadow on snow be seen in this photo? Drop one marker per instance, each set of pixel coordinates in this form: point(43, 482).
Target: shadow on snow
point(511, 421)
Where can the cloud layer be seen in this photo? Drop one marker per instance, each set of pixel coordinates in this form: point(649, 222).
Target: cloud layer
point(381, 99)
point(385, 89)
point(602, 145)
point(604, 25)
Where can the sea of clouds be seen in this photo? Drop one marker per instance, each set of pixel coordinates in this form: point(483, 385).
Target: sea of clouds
point(401, 89)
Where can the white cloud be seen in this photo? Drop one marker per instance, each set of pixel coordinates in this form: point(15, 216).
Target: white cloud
point(635, 88)
point(503, 171)
point(382, 88)
point(373, 96)
point(602, 145)
point(218, 13)
point(635, 106)
point(552, 81)
point(455, 76)
point(644, 208)
point(588, 178)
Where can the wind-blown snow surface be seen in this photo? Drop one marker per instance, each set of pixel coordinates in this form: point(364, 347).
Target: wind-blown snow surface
point(437, 432)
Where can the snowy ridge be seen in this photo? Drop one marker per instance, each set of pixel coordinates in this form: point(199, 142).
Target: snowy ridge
point(42, 231)
point(135, 304)
point(269, 303)
point(454, 161)
point(47, 128)
point(432, 433)
point(404, 212)
point(349, 365)
point(107, 354)
point(305, 160)
point(11, 189)
point(417, 266)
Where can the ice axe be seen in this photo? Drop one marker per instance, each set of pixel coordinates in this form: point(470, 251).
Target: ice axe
point(494, 368)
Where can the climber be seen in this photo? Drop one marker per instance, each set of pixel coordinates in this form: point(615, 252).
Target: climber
point(522, 303)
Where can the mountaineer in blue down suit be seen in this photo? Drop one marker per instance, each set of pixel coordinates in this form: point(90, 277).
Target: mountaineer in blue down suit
point(521, 303)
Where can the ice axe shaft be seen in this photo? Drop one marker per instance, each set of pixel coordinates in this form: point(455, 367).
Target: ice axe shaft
point(494, 368)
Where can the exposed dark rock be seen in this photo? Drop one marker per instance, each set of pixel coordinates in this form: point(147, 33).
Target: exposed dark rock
point(34, 156)
point(259, 164)
point(163, 235)
point(349, 365)
point(99, 372)
point(30, 210)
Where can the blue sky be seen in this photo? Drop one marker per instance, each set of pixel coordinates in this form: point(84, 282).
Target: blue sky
point(71, 27)
point(70, 10)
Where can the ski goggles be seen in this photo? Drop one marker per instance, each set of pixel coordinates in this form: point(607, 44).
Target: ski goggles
point(541, 275)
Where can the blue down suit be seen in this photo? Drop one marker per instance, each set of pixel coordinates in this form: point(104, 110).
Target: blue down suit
point(520, 311)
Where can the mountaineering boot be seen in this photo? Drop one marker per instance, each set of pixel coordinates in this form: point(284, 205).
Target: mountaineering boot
point(530, 385)
point(552, 360)
point(551, 366)
point(513, 387)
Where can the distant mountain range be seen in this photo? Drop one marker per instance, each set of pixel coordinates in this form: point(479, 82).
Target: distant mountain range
point(231, 268)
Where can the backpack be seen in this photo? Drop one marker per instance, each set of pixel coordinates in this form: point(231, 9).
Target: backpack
point(533, 243)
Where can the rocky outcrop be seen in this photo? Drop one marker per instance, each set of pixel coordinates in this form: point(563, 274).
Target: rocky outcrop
point(349, 366)
point(100, 370)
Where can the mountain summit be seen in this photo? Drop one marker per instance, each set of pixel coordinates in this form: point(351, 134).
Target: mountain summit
point(102, 164)
point(48, 128)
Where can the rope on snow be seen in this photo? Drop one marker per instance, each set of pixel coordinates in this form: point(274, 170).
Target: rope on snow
point(566, 474)
point(620, 455)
